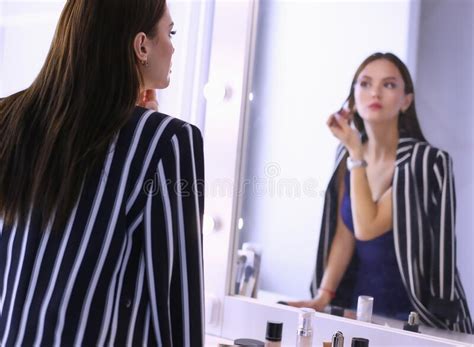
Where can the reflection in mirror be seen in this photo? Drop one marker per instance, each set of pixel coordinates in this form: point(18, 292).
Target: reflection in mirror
point(306, 55)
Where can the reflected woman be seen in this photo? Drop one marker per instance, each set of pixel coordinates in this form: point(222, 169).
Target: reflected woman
point(100, 199)
point(388, 227)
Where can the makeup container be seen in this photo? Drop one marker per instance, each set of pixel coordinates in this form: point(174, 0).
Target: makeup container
point(365, 306)
point(273, 334)
point(248, 282)
point(413, 323)
point(239, 272)
point(249, 343)
point(247, 270)
point(304, 334)
point(256, 249)
point(359, 342)
point(244, 272)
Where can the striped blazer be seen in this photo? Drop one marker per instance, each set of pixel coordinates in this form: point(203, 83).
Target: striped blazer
point(424, 207)
point(127, 269)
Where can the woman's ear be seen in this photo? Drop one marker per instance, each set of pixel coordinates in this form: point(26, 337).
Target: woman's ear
point(407, 102)
point(140, 48)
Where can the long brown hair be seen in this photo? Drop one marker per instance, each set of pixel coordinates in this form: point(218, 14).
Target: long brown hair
point(408, 124)
point(55, 132)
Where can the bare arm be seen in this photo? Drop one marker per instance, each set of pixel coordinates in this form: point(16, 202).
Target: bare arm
point(371, 219)
point(342, 249)
point(341, 252)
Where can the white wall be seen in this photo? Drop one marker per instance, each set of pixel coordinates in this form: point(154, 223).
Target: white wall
point(307, 53)
point(445, 105)
point(28, 28)
point(1, 41)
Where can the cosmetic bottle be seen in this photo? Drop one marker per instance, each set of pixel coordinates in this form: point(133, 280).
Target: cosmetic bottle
point(304, 334)
point(337, 340)
point(273, 334)
point(413, 323)
point(365, 305)
point(359, 342)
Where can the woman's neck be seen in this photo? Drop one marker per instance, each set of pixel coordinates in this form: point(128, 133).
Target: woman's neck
point(382, 141)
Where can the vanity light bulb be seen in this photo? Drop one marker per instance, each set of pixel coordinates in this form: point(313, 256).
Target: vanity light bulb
point(209, 224)
point(214, 92)
point(250, 96)
point(240, 224)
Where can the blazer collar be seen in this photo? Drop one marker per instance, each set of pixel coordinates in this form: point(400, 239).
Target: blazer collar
point(404, 150)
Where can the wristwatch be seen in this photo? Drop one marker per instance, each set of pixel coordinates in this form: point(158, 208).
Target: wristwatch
point(352, 163)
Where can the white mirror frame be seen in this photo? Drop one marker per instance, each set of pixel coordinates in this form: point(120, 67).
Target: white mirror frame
point(228, 71)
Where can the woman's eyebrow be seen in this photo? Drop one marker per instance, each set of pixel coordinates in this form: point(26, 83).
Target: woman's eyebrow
point(383, 79)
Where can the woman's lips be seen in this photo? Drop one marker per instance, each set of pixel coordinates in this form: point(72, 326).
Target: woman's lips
point(375, 106)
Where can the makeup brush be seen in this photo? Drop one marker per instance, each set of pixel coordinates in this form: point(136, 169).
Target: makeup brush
point(241, 260)
point(249, 280)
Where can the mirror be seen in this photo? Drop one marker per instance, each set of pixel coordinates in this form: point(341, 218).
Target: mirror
point(306, 54)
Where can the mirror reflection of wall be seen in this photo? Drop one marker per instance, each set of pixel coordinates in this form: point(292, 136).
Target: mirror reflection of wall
point(306, 55)
point(445, 85)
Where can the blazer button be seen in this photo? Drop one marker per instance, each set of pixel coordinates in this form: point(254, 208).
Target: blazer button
point(128, 303)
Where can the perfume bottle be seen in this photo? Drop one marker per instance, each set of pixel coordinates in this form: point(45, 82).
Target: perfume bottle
point(365, 305)
point(337, 340)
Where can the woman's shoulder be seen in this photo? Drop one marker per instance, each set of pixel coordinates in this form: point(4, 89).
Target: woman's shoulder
point(424, 157)
point(419, 147)
point(151, 121)
point(151, 118)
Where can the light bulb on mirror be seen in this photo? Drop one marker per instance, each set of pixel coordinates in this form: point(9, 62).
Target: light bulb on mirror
point(215, 92)
point(240, 224)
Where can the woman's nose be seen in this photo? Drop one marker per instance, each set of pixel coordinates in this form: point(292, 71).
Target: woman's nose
point(375, 91)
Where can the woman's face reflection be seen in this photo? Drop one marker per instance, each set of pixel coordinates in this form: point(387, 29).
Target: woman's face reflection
point(380, 92)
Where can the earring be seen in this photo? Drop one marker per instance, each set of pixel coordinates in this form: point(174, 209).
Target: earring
point(144, 62)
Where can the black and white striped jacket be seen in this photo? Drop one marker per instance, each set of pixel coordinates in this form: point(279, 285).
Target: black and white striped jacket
point(424, 207)
point(127, 270)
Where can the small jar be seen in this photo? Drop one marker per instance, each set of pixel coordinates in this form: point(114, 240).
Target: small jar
point(273, 334)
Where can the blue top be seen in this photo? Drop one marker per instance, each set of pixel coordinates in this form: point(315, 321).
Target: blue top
point(377, 273)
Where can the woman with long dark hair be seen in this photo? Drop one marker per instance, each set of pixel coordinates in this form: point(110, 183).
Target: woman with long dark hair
point(101, 200)
point(388, 228)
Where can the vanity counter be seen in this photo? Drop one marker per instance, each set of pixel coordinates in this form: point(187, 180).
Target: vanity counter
point(213, 341)
point(246, 317)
